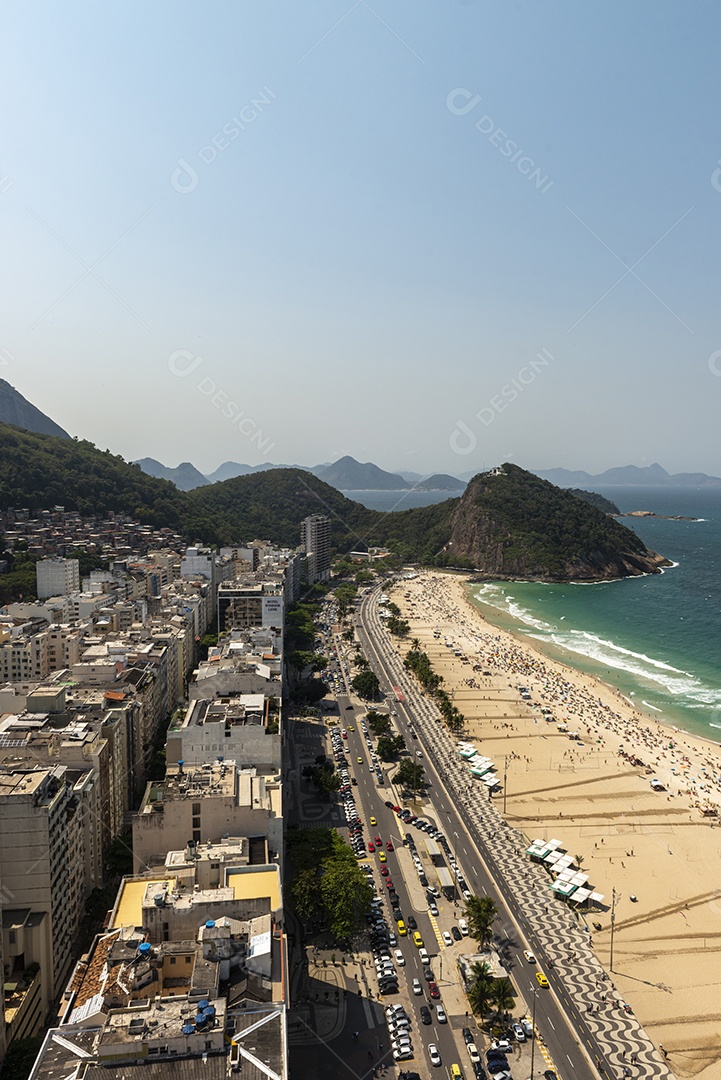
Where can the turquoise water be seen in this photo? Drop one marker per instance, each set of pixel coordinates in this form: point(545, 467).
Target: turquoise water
point(657, 638)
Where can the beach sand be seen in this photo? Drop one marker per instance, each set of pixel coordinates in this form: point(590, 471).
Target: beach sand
point(587, 793)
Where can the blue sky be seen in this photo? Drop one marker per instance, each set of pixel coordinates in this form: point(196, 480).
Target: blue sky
point(436, 238)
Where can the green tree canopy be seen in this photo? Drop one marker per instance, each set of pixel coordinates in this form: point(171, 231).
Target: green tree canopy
point(480, 989)
point(378, 722)
point(390, 746)
point(410, 774)
point(366, 684)
point(480, 914)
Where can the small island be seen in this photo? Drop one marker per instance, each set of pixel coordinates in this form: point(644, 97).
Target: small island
point(652, 514)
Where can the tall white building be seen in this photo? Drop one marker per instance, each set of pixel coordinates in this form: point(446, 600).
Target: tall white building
point(57, 577)
point(315, 539)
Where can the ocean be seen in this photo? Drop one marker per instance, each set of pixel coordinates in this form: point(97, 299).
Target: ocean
point(655, 638)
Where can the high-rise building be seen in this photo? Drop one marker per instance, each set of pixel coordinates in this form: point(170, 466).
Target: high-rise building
point(57, 577)
point(315, 539)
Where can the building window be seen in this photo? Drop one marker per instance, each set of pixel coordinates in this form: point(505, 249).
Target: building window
point(196, 807)
point(12, 937)
point(196, 835)
point(172, 959)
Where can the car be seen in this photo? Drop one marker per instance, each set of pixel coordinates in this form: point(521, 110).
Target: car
point(518, 1032)
point(528, 955)
point(457, 936)
point(479, 1072)
point(467, 1036)
point(433, 990)
point(541, 979)
point(441, 1015)
point(371, 846)
point(527, 1026)
point(388, 987)
point(423, 955)
point(426, 1017)
point(389, 845)
point(372, 821)
point(549, 1074)
point(399, 958)
point(503, 1045)
point(434, 911)
point(417, 939)
point(396, 1010)
point(411, 922)
point(389, 883)
point(402, 1055)
point(359, 760)
point(402, 1043)
point(348, 707)
point(385, 871)
point(379, 842)
point(473, 1052)
point(402, 928)
point(417, 988)
point(427, 974)
point(382, 856)
point(433, 1054)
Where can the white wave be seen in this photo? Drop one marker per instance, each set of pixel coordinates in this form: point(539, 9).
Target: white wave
point(650, 706)
point(655, 675)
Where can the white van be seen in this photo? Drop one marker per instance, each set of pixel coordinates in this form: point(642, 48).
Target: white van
point(463, 926)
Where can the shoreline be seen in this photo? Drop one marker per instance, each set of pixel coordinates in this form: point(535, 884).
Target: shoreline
point(632, 685)
point(594, 794)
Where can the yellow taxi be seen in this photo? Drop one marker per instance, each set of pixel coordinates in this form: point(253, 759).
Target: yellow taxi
point(417, 940)
point(372, 821)
point(541, 979)
point(402, 928)
point(382, 857)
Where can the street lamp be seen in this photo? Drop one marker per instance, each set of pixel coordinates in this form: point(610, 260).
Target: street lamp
point(533, 1036)
point(613, 924)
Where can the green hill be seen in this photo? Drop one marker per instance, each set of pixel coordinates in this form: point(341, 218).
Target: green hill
point(512, 524)
point(507, 523)
point(42, 471)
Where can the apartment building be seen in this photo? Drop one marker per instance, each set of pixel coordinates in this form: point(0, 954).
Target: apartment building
point(244, 728)
point(57, 577)
point(207, 802)
point(42, 856)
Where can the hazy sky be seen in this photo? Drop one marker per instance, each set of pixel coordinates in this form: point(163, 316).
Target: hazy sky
point(433, 236)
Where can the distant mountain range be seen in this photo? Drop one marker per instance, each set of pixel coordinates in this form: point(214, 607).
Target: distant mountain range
point(628, 476)
point(346, 474)
point(17, 410)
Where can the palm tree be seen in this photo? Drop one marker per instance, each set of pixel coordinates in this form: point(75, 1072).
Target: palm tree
point(579, 860)
point(480, 913)
point(415, 644)
point(502, 997)
point(480, 990)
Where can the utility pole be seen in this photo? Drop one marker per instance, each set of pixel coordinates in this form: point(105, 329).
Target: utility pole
point(613, 923)
point(505, 786)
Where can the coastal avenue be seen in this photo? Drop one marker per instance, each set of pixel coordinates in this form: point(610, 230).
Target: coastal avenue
point(556, 1015)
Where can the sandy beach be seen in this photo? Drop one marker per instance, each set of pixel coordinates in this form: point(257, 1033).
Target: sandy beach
point(593, 793)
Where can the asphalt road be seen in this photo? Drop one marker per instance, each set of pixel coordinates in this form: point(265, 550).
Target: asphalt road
point(555, 1014)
